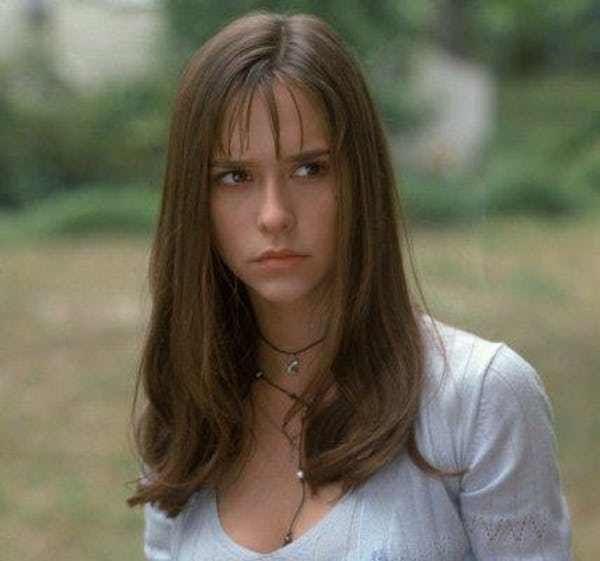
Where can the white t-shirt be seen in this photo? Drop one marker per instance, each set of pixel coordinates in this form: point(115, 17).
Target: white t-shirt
point(488, 412)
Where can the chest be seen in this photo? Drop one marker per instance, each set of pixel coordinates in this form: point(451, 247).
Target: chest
point(256, 510)
point(379, 522)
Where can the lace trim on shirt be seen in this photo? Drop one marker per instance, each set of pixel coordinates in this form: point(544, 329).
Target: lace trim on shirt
point(486, 530)
point(530, 528)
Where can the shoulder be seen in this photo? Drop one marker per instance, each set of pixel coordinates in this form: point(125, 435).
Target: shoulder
point(461, 365)
point(472, 382)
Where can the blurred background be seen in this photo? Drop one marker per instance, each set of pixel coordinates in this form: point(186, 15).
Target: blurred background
point(493, 115)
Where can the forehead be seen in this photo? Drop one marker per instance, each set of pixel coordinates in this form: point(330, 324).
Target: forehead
point(271, 121)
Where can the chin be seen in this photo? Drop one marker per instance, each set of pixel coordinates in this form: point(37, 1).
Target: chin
point(282, 292)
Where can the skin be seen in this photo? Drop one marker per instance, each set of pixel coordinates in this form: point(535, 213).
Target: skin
point(269, 203)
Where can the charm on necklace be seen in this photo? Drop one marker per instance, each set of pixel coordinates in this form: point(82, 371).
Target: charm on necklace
point(293, 366)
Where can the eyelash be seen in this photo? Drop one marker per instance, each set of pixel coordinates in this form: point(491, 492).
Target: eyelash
point(323, 168)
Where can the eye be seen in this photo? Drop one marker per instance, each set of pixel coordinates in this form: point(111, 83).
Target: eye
point(312, 169)
point(232, 177)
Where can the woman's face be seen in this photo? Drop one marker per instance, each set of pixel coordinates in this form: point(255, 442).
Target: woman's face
point(259, 202)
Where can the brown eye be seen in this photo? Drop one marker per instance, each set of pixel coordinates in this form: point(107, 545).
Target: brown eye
point(233, 177)
point(312, 169)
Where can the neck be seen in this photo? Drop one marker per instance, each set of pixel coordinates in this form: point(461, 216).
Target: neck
point(290, 328)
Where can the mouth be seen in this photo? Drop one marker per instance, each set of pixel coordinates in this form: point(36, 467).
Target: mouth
point(281, 254)
point(281, 262)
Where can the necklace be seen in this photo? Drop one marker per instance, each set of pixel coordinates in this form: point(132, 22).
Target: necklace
point(292, 369)
point(288, 538)
point(293, 365)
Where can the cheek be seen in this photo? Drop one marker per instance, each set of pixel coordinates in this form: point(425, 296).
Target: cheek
point(325, 218)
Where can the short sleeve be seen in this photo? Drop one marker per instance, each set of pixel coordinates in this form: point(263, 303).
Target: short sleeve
point(511, 499)
point(157, 534)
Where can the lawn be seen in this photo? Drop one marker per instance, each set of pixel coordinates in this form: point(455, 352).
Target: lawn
point(73, 320)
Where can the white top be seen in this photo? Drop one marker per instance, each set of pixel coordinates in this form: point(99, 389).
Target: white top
point(490, 413)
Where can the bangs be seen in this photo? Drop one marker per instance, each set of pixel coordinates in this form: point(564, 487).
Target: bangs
point(235, 113)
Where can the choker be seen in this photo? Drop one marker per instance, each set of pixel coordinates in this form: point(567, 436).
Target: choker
point(293, 365)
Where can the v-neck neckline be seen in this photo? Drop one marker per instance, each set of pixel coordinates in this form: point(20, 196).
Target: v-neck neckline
point(244, 553)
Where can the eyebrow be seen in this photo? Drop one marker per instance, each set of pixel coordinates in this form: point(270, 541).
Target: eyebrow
point(300, 157)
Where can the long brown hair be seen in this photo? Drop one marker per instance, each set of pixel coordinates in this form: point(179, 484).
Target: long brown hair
point(199, 354)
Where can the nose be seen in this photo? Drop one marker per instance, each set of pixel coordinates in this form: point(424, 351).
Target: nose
point(276, 213)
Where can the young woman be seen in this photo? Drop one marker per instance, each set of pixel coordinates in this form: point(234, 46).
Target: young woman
point(300, 404)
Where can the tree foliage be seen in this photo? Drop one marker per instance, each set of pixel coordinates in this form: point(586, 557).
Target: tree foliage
point(378, 33)
point(517, 37)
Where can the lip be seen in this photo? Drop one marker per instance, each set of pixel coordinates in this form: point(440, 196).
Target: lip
point(280, 262)
point(279, 255)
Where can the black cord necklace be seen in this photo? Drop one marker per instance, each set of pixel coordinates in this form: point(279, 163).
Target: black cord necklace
point(288, 538)
point(293, 368)
point(293, 365)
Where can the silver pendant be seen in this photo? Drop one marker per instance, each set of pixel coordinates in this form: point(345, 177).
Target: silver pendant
point(293, 366)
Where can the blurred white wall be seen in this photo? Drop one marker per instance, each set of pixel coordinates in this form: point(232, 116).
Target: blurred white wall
point(10, 24)
point(463, 99)
point(89, 40)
